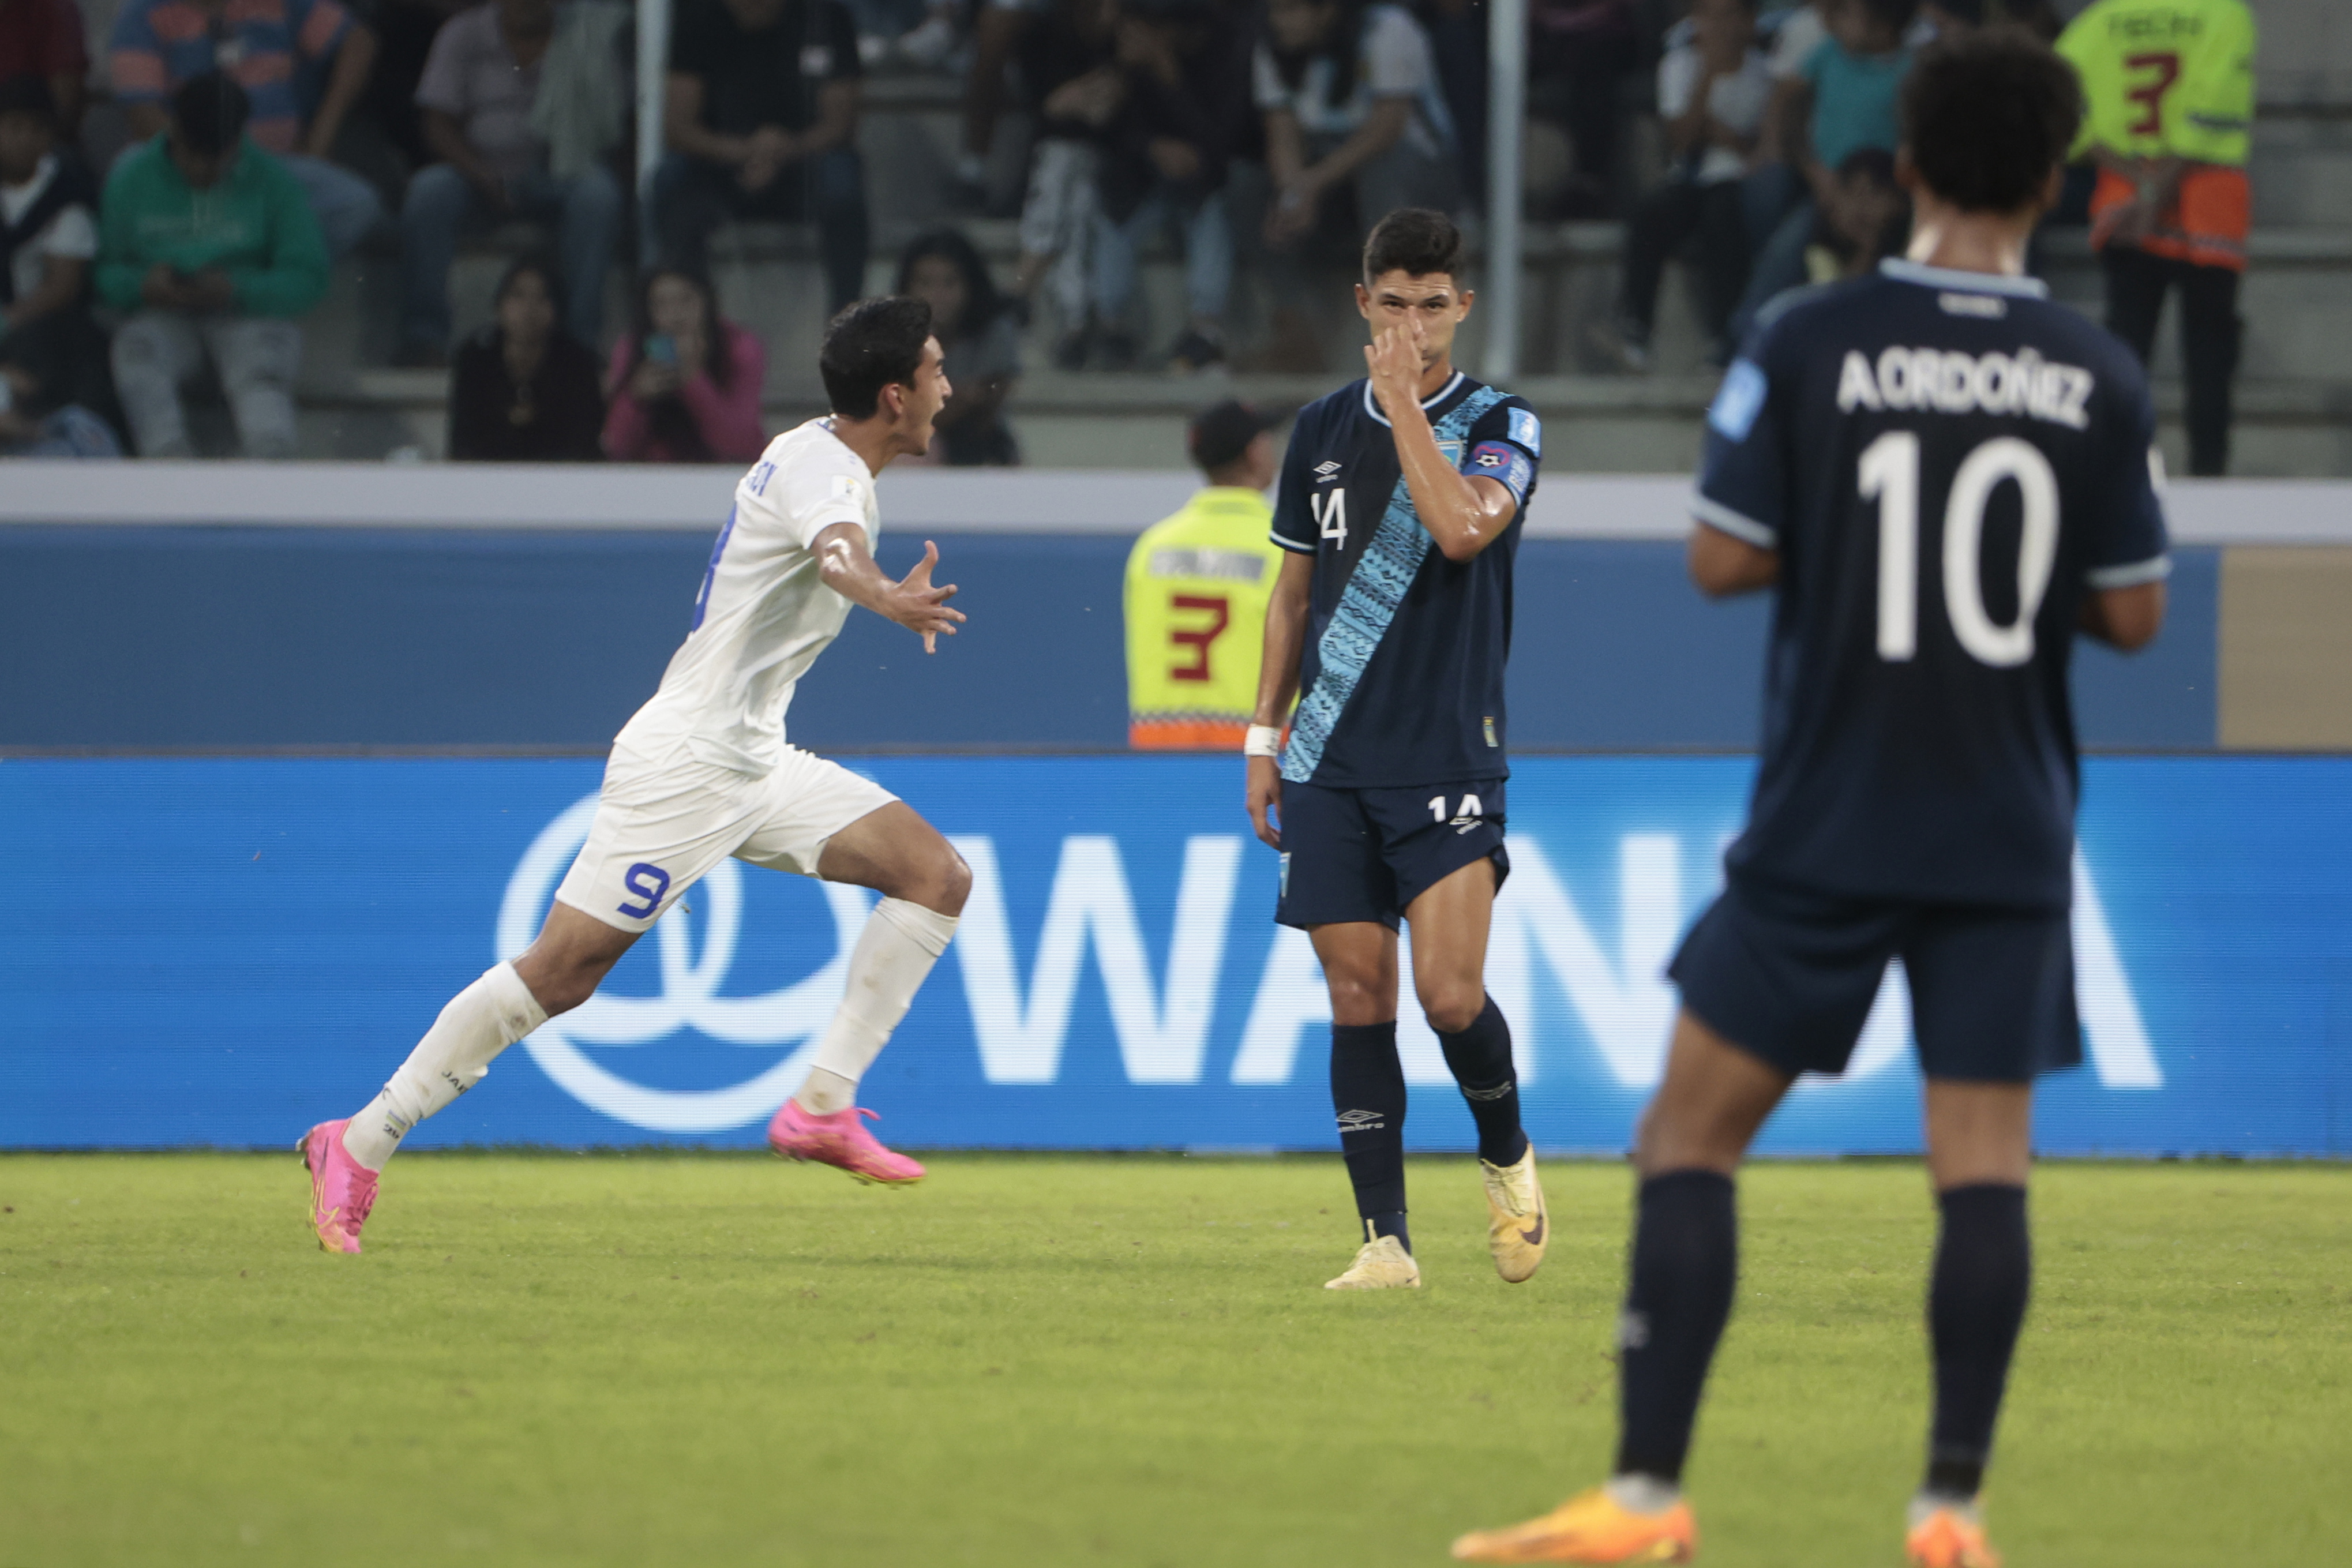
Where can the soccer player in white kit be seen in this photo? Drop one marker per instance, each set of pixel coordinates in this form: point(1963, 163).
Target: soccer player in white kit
point(703, 772)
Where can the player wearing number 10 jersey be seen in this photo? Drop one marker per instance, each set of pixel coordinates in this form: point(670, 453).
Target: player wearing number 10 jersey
point(1946, 475)
point(1400, 505)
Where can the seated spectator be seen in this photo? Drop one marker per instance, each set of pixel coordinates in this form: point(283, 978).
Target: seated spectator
point(1866, 219)
point(207, 243)
point(43, 39)
point(983, 343)
point(1065, 50)
point(523, 389)
point(762, 111)
point(2169, 134)
point(480, 95)
point(1356, 127)
point(54, 352)
point(1846, 99)
point(1713, 85)
point(27, 430)
point(404, 31)
point(685, 386)
point(271, 48)
point(1187, 90)
point(1579, 54)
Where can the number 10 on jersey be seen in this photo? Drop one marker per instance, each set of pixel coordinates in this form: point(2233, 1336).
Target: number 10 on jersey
point(1890, 475)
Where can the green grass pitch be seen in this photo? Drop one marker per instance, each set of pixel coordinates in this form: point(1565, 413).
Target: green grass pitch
point(709, 1359)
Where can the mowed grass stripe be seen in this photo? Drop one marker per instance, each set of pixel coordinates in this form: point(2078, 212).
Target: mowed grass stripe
point(708, 1360)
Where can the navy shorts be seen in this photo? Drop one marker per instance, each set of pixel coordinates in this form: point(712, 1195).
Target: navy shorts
point(1790, 975)
point(1366, 854)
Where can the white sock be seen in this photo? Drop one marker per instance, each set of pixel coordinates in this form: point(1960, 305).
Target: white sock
point(1643, 1494)
point(480, 1022)
point(893, 952)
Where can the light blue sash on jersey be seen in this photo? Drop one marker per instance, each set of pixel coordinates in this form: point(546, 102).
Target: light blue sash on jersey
point(1381, 578)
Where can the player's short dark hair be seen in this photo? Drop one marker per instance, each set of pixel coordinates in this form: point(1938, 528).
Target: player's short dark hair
point(1415, 241)
point(1988, 116)
point(872, 344)
point(210, 111)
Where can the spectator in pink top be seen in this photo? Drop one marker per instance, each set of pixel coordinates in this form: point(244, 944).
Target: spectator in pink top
point(685, 384)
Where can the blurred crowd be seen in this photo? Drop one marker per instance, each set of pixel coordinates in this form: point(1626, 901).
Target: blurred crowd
point(248, 144)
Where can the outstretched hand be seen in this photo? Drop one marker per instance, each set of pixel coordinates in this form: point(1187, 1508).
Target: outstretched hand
point(1394, 362)
point(920, 607)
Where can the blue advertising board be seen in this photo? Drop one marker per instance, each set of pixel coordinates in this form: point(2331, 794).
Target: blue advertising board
point(223, 952)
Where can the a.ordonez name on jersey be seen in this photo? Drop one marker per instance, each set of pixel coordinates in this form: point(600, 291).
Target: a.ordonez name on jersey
point(1945, 381)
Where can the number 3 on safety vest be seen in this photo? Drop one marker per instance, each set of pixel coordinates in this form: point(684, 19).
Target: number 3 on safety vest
point(1330, 509)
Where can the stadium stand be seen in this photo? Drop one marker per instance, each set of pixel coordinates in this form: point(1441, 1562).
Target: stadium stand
point(2294, 396)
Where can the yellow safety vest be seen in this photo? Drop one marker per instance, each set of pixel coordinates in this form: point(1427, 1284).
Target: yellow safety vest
point(1197, 586)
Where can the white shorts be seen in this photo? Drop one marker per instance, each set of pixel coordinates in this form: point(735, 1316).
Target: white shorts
point(661, 826)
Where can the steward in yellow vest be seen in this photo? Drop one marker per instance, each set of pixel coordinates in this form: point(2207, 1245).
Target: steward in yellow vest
point(1197, 586)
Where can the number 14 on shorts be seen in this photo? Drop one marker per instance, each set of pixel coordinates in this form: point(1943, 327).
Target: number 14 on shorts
point(1470, 815)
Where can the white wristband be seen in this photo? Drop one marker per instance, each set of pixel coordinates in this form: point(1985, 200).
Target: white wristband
point(1263, 741)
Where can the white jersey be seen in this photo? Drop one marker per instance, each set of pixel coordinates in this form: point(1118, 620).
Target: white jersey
point(764, 613)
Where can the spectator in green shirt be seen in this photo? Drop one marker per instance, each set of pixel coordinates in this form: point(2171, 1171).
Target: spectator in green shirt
point(208, 245)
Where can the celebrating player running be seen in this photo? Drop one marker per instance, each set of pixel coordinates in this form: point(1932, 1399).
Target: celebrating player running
point(703, 772)
point(1946, 475)
point(1401, 503)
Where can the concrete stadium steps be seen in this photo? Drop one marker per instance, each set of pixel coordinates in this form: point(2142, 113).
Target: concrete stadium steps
point(1594, 424)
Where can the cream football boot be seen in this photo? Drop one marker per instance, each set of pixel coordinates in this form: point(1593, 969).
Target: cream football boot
point(1516, 1225)
point(1381, 1264)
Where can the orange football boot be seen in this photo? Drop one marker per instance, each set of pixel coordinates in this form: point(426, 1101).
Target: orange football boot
point(1591, 1527)
point(1948, 1538)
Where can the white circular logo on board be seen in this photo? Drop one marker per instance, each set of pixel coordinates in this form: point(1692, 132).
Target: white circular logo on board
point(792, 1017)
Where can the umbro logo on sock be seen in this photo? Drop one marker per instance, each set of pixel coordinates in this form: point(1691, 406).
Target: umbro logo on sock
point(1500, 1089)
point(1360, 1122)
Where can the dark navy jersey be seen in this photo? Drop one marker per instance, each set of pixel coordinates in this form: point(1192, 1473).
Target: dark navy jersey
point(1401, 678)
point(1946, 462)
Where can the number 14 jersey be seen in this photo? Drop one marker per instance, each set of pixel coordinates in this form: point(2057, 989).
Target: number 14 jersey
point(1945, 463)
point(1401, 678)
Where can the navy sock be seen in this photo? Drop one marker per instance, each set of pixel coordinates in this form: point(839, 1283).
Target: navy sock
point(1480, 1059)
point(1976, 1305)
point(1685, 1261)
point(1368, 1093)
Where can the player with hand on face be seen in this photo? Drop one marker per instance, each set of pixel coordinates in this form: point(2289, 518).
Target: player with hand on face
point(1946, 475)
point(1401, 502)
point(703, 772)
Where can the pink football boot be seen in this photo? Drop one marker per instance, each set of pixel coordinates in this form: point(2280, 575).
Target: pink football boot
point(840, 1140)
point(342, 1189)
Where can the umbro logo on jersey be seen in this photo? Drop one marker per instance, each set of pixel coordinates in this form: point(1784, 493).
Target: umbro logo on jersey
point(1360, 1122)
point(1326, 471)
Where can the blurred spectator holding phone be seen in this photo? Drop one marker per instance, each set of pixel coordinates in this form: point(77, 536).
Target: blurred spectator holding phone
point(489, 94)
point(53, 375)
point(208, 245)
point(1187, 82)
point(762, 117)
point(2169, 87)
point(43, 39)
point(981, 339)
point(523, 389)
point(1713, 87)
point(1356, 126)
point(685, 384)
point(275, 50)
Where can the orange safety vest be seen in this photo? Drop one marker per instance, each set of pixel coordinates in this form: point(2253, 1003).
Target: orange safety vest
point(2205, 224)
